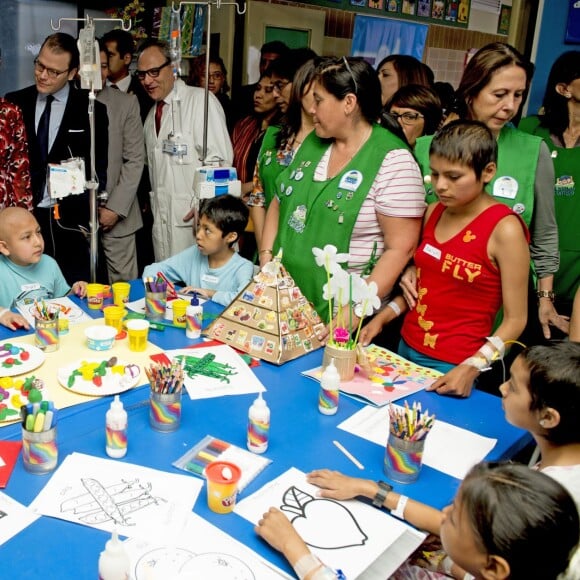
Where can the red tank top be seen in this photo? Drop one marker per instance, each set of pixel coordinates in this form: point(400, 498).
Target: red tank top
point(459, 289)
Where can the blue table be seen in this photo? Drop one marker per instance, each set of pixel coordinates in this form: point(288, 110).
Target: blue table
point(300, 437)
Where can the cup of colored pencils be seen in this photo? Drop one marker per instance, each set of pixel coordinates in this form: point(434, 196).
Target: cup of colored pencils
point(46, 329)
point(408, 429)
point(166, 383)
point(155, 298)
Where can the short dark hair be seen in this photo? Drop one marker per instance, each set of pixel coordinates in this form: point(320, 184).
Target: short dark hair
point(424, 100)
point(286, 65)
point(516, 512)
point(123, 40)
point(409, 70)
point(228, 213)
point(274, 46)
point(60, 42)
point(162, 45)
point(469, 143)
point(555, 382)
point(341, 76)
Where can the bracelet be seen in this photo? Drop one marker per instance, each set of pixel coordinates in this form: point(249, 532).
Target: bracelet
point(546, 294)
point(394, 307)
point(306, 565)
point(399, 511)
point(3, 311)
point(265, 252)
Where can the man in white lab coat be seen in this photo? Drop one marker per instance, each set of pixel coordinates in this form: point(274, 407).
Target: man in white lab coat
point(172, 174)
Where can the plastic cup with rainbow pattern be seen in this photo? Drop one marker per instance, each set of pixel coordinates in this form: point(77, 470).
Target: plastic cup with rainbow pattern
point(46, 333)
point(403, 459)
point(165, 411)
point(39, 451)
point(155, 305)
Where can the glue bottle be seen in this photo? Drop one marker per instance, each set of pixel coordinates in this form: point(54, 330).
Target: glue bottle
point(193, 318)
point(116, 427)
point(258, 425)
point(329, 390)
point(114, 562)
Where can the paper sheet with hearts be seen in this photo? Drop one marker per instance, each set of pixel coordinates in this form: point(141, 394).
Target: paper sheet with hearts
point(388, 377)
point(349, 535)
point(67, 309)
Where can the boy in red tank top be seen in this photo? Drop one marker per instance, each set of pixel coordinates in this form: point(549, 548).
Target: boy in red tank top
point(473, 259)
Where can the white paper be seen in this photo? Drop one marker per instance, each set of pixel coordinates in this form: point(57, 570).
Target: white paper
point(14, 517)
point(108, 494)
point(202, 551)
point(227, 374)
point(448, 448)
point(67, 309)
point(349, 535)
point(139, 305)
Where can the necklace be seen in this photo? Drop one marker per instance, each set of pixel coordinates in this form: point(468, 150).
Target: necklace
point(346, 161)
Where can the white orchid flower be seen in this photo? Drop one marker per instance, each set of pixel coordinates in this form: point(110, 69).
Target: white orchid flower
point(337, 288)
point(329, 258)
point(368, 300)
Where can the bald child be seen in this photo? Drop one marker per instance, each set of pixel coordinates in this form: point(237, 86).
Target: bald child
point(26, 273)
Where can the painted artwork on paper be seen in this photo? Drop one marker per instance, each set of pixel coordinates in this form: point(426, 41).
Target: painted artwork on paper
point(106, 494)
point(349, 535)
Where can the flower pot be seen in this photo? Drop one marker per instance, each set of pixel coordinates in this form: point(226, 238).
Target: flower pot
point(344, 361)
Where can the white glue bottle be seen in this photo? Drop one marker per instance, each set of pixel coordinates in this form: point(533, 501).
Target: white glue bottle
point(193, 318)
point(258, 425)
point(114, 562)
point(329, 390)
point(116, 428)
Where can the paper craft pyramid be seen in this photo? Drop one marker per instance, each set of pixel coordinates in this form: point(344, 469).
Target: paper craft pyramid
point(270, 319)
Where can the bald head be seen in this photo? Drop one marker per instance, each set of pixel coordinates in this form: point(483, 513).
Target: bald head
point(12, 217)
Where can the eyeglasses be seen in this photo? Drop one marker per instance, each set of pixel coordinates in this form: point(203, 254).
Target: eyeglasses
point(407, 118)
point(351, 75)
point(216, 76)
point(280, 85)
point(152, 72)
point(52, 73)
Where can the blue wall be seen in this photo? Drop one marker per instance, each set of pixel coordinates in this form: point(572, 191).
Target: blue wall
point(550, 47)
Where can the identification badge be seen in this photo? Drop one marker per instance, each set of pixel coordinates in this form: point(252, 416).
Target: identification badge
point(210, 279)
point(351, 180)
point(432, 251)
point(173, 147)
point(30, 287)
point(505, 187)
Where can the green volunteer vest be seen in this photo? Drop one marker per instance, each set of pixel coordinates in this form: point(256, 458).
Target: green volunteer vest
point(567, 205)
point(269, 166)
point(515, 177)
point(313, 214)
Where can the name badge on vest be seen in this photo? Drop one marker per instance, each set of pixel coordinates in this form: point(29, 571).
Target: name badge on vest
point(432, 251)
point(30, 287)
point(210, 279)
point(351, 180)
point(506, 187)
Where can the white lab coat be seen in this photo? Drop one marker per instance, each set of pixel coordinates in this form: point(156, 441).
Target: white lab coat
point(171, 182)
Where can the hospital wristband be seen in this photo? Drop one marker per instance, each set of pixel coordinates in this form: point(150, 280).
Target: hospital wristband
point(307, 564)
point(394, 307)
point(399, 511)
point(478, 362)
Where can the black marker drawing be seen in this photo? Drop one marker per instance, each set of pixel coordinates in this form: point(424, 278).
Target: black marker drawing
point(113, 503)
point(340, 530)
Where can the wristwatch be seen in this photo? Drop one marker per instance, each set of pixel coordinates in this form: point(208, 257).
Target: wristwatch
point(381, 495)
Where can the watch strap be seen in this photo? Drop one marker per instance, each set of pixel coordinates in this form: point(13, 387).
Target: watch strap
point(381, 494)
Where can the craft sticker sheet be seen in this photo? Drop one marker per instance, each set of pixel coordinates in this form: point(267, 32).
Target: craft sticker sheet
point(107, 494)
point(66, 309)
point(347, 535)
point(383, 377)
point(215, 371)
point(201, 551)
point(14, 517)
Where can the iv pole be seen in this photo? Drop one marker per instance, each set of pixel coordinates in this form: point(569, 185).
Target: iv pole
point(87, 74)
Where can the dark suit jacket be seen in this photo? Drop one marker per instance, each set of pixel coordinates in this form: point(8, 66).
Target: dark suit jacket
point(72, 140)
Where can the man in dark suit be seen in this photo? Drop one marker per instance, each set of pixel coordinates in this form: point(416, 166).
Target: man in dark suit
point(56, 115)
point(120, 49)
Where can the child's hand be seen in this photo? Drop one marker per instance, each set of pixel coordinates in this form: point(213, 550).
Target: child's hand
point(13, 321)
point(335, 485)
point(79, 289)
point(458, 381)
point(277, 530)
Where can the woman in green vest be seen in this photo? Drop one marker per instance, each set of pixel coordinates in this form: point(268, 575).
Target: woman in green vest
point(492, 90)
point(559, 127)
point(292, 78)
point(351, 184)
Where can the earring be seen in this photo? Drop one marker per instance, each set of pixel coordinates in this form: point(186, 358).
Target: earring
point(568, 95)
point(542, 422)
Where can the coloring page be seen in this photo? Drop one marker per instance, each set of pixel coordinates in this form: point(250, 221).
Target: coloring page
point(201, 551)
point(108, 494)
point(215, 371)
point(14, 517)
point(347, 535)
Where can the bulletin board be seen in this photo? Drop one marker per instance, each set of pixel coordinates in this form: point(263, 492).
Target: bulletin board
point(573, 24)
